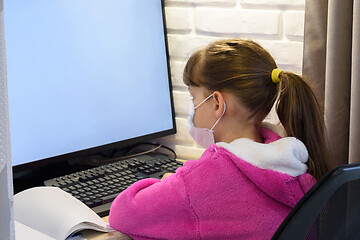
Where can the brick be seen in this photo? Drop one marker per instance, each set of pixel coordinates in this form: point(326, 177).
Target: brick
point(177, 69)
point(294, 23)
point(179, 18)
point(188, 153)
point(184, 45)
point(234, 21)
point(233, 2)
point(291, 68)
point(171, 1)
point(217, 3)
point(214, 1)
point(285, 52)
point(182, 136)
point(272, 117)
point(182, 100)
point(274, 2)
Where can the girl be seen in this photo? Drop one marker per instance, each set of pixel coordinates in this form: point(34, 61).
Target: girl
point(249, 177)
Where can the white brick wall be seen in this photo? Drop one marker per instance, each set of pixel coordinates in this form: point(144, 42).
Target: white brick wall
point(236, 21)
point(276, 24)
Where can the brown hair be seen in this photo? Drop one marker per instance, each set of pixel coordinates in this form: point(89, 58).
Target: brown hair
point(244, 68)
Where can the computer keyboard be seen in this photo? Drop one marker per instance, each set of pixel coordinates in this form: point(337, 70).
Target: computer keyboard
point(97, 187)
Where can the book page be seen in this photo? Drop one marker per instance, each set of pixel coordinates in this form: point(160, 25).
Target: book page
point(24, 232)
point(54, 212)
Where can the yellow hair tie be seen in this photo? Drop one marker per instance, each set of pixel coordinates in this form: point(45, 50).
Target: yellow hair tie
point(275, 75)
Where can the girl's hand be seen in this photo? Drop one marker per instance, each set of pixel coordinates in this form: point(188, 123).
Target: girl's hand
point(166, 175)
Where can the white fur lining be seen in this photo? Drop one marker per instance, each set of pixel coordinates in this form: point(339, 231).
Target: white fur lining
point(287, 155)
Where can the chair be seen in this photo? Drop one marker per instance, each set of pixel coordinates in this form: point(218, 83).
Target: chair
point(329, 210)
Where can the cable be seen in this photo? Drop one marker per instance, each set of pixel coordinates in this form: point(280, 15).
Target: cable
point(138, 154)
point(171, 150)
point(128, 155)
point(160, 146)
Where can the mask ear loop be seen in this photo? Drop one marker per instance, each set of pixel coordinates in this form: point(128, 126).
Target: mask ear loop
point(211, 130)
point(204, 101)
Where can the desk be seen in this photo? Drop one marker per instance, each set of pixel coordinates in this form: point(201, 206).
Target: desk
point(94, 235)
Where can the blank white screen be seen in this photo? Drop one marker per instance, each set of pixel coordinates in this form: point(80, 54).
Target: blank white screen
point(84, 73)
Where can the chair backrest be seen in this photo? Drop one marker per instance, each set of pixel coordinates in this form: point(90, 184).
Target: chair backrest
point(329, 210)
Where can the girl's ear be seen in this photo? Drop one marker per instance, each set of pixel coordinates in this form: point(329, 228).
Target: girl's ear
point(218, 103)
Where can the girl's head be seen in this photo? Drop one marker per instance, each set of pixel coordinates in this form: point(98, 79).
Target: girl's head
point(243, 68)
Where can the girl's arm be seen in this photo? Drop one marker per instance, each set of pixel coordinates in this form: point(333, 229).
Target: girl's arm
point(157, 209)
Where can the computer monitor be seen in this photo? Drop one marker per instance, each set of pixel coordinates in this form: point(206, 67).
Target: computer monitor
point(85, 76)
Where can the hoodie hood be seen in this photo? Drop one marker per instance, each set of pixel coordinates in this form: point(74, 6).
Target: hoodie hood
point(286, 155)
point(279, 161)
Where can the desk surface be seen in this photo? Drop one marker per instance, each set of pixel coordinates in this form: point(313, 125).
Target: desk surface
point(94, 235)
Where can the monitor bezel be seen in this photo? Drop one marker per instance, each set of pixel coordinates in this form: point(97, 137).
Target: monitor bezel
point(115, 145)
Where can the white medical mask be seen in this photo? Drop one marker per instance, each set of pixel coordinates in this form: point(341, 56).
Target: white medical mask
point(203, 136)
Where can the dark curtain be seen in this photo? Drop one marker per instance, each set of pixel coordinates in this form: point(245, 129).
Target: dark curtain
point(332, 65)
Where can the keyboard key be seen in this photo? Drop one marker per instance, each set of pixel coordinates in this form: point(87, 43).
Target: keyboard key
point(109, 198)
point(101, 185)
point(90, 203)
point(97, 202)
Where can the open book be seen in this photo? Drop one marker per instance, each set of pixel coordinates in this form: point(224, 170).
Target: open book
point(50, 213)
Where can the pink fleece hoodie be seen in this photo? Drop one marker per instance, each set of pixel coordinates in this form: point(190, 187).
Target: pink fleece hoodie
point(219, 196)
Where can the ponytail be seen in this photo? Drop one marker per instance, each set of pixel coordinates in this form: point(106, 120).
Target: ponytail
point(250, 73)
point(301, 116)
